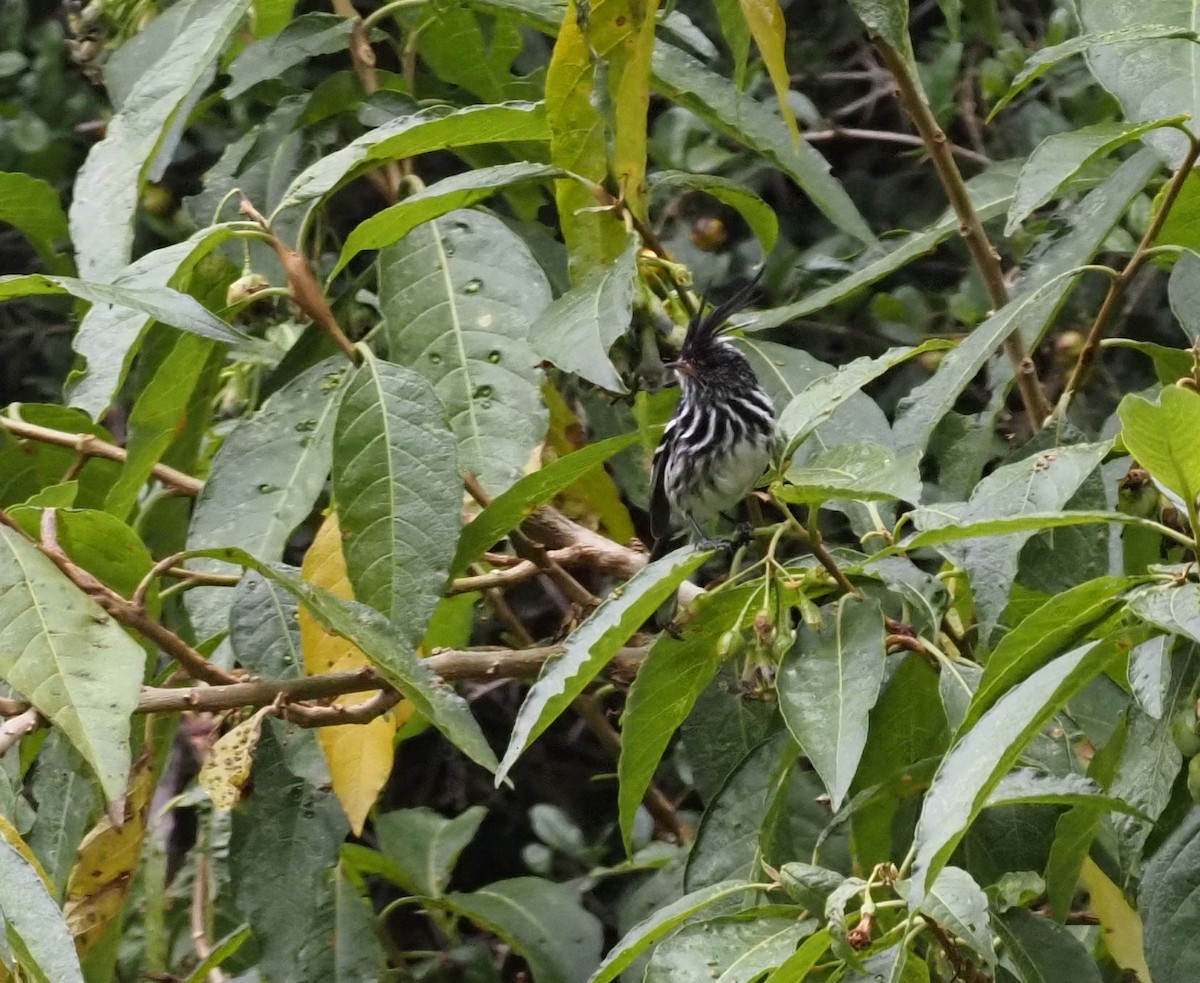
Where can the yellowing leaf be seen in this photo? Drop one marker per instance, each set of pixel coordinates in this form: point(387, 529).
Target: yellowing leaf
point(597, 92)
point(359, 755)
point(1121, 924)
point(227, 768)
point(107, 860)
point(765, 21)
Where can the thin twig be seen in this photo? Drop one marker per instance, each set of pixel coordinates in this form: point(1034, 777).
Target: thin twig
point(983, 253)
point(14, 728)
point(90, 445)
point(1118, 284)
point(886, 136)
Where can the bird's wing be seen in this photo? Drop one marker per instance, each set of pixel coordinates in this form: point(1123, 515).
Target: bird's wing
point(660, 505)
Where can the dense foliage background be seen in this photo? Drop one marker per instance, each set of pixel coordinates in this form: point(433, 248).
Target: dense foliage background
point(333, 354)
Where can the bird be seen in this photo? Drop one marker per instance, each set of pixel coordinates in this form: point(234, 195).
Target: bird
point(719, 439)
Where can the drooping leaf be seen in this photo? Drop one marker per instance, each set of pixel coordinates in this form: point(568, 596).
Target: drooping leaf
point(264, 628)
point(543, 921)
point(408, 136)
point(1171, 607)
point(1156, 435)
point(507, 510)
point(1037, 297)
point(863, 472)
point(32, 206)
point(648, 931)
point(676, 671)
point(1028, 786)
point(796, 967)
point(958, 903)
point(1168, 900)
point(398, 492)
point(729, 948)
point(142, 133)
point(765, 20)
point(50, 637)
point(67, 800)
point(265, 480)
point(1153, 78)
point(1062, 155)
point(828, 683)
point(1150, 674)
point(457, 191)
point(108, 858)
point(458, 295)
point(1043, 951)
point(1041, 62)
point(727, 843)
point(359, 755)
point(980, 759)
point(577, 329)
point(305, 37)
point(1120, 921)
point(1040, 483)
point(425, 846)
point(32, 920)
point(589, 648)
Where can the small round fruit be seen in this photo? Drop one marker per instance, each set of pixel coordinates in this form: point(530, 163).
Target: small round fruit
point(1183, 732)
point(245, 287)
point(708, 234)
point(158, 200)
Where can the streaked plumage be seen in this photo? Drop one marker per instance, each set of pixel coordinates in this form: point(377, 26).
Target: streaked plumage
point(720, 438)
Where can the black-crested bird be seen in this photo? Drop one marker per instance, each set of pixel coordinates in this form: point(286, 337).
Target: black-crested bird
point(719, 439)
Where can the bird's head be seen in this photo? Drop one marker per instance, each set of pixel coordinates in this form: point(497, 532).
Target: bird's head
point(707, 358)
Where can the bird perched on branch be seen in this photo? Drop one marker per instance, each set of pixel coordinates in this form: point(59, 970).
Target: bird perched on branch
point(719, 439)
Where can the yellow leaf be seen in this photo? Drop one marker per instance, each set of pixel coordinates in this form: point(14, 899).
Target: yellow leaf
point(359, 755)
point(597, 94)
point(765, 20)
point(226, 770)
point(1120, 923)
point(107, 861)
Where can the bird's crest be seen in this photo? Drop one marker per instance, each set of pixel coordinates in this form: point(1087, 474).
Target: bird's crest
point(704, 328)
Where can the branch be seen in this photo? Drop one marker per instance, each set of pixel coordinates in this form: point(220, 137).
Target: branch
point(1118, 284)
point(14, 728)
point(90, 445)
point(970, 226)
point(886, 136)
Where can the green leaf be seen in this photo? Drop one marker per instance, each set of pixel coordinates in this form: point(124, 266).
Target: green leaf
point(408, 136)
point(51, 635)
point(1038, 296)
point(67, 803)
point(164, 304)
point(765, 20)
point(32, 207)
point(1157, 435)
point(721, 730)
point(1152, 78)
point(990, 194)
point(979, 760)
point(285, 813)
point(863, 472)
point(457, 191)
point(508, 509)
point(1169, 903)
point(1170, 364)
point(729, 948)
point(1183, 290)
point(886, 18)
point(958, 904)
point(815, 404)
point(388, 651)
point(727, 843)
point(458, 295)
point(1150, 675)
point(265, 480)
point(1042, 482)
point(159, 410)
point(1062, 155)
point(1040, 62)
point(676, 671)
point(1171, 607)
point(32, 920)
point(398, 492)
point(939, 526)
point(663, 920)
point(795, 968)
point(576, 331)
point(1026, 786)
point(425, 845)
point(1063, 621)
point(494, 43)
point(827, 685)
point(223, 949)
point(264, 628)
point(590, 647)
point(141, 137)
point(1044, 951)
point(108, 337)
point(305, 37)
point(758, 214)
point(543, 921)
point(895, 964)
